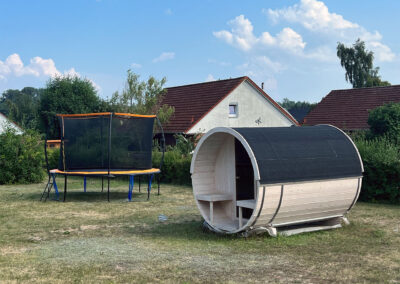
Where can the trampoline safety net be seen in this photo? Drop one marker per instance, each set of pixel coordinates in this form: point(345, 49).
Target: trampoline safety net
point(106, 141)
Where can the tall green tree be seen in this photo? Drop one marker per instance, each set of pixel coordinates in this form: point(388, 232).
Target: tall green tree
point(67, 94)
point(297, 109)
point(142, 97)
point(358, 63)
point(289, 104)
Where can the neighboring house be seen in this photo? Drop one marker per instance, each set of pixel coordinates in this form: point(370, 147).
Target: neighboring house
point(236, 102)
point(4, 122)
point(348, 109)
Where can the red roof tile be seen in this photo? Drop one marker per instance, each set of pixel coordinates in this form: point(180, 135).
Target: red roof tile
point(193, 102)
point(348, 109)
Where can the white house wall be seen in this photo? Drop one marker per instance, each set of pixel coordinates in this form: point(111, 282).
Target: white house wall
point(252, 106)
point(4, 123)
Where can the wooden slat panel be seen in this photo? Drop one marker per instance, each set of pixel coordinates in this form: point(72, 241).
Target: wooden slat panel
point(308, 214)
point(204, 163)
point(318, 199)
point(209, 175)
point(225, 173)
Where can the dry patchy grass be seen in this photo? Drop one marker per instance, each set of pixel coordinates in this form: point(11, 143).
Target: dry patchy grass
point(90, 240)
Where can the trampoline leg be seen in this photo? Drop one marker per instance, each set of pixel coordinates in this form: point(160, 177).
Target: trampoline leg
point(65, 187)
point(84, 184)
point(139, 183)
point(46, 190)
point(49, 186)
point(102, 184)
point(131, 183)
point(149, 188)
point(108, 189)
point(55, 186)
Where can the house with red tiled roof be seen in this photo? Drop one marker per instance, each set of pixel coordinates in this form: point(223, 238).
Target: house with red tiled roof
point(236, 102)
point(349, 109)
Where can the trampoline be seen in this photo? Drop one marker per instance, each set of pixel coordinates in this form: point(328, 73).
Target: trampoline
point(105, 145)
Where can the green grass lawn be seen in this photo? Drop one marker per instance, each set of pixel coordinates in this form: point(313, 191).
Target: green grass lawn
point(87, 239)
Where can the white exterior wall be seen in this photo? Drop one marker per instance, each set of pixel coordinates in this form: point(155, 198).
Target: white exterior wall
point(252, 106)
point(4, 122)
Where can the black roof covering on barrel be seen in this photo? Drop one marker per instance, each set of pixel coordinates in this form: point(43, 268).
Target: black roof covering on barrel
point(291, 154)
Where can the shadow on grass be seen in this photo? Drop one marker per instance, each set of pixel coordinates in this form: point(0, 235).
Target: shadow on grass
point(194, 230)
point(188, 230)
point(76, 196)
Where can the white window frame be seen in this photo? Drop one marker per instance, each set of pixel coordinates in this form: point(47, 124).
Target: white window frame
point(236, 114)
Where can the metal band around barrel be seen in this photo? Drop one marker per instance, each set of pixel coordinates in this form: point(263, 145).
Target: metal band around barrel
point(279, 206)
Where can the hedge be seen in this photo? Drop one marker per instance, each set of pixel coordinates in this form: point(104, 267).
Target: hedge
point(53, 155)
point(21, 157)
point(381, 180)
point(176, 167)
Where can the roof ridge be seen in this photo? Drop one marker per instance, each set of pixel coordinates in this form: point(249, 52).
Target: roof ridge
point(241, 77)
point(363, 88)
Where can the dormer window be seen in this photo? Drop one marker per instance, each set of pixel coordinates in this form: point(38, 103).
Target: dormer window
point(233, 110)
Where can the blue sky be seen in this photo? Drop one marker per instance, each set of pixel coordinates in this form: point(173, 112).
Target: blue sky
point(289, 45)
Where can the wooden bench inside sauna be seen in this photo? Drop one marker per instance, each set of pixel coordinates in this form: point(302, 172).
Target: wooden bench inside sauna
point(286, 179)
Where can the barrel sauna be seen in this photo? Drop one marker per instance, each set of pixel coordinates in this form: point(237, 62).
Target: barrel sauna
point(276, 179)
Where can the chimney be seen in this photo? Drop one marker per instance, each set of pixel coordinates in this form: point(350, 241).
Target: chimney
point(262, 85)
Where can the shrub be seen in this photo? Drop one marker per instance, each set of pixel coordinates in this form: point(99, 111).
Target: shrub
point(21, 157)
point(176, 167)
point(186, 144)
point(53, 156)
point(381, 160)
point(384, 121)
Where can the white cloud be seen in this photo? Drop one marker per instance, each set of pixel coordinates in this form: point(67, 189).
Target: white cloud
point(315, 16)
point(44, 67)
point(97, 87)
point(37, 67)
point(72, 73)
point(241, 36)
point(13, 66)
point(136, 65)
point(381, 52)
point(267, 39)
point(224, 35)
point(168, 12)
point(210, 78)
point(164, 56)
point(289, 39)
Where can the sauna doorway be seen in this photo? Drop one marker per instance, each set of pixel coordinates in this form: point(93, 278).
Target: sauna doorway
point(244, 178)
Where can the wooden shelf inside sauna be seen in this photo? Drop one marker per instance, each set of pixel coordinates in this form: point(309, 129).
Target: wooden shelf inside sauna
point(215, 206)
point(249, 204)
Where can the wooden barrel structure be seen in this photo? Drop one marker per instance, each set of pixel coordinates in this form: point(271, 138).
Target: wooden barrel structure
point(276, 179)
